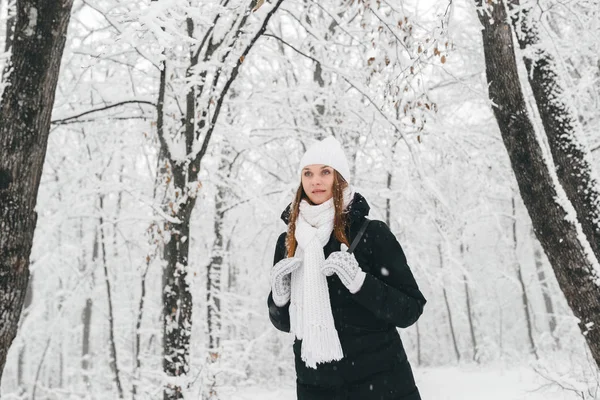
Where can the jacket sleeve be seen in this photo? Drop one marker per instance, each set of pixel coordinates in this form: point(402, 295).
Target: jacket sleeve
point(389, 290)
point(279, 316)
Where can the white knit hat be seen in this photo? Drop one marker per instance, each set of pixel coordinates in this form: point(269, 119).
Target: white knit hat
point(328, 152)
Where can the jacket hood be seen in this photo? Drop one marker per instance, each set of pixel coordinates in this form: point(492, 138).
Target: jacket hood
point(357, 208)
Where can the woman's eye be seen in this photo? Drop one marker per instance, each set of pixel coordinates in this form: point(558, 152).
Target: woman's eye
point(307, 173)
point(326, 172)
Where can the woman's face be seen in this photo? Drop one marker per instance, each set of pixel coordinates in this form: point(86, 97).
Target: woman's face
point(317, 181)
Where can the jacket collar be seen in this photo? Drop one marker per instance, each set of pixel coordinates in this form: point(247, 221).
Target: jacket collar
point(357, 209)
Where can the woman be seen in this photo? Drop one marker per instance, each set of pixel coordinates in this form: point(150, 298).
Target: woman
point(343, 308)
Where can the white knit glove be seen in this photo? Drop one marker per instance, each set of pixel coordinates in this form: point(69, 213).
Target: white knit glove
point(281, 279)
point(346, 267)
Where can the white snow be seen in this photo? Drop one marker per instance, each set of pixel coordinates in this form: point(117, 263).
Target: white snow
point(30, 29)
point(446, 383)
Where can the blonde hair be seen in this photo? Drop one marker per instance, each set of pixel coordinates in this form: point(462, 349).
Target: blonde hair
point(339, 221)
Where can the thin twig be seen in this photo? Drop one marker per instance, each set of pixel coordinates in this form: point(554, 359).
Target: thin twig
point(64, 120)
point(234, 74)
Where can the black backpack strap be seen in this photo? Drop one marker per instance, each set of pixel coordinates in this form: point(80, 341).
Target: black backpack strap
point(362, 230)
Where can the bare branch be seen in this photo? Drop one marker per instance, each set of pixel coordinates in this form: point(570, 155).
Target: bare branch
point(234, 74)
point(66, 120)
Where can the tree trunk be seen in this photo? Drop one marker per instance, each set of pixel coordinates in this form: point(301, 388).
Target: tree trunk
point(86, 315)
point(203, 105)
point(471, 321)
point(25, 110)
point(177, 298)
point(539, 266)
point(524, 299)
point(155, 240)
point(10, 24)
point(21, 361)
point(574, 268)
point(213, 273)
point(562, 128)
point(213, 282)
point(448, 310)
point(388, 200)
point(114, 364)
point(138, 328)
point(470, 311)
point(86, 319)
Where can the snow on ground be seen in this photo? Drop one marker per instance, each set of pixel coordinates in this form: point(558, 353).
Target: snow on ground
point(487, 384)
point(448, 383)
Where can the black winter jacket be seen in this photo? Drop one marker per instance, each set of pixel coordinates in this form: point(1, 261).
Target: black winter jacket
point(374, 366)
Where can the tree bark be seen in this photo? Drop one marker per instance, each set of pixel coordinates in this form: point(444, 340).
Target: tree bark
point(471, 321)
point(23, 348)
point(574, 268)
point(138, 329)
point(541, 275)
point(177, 297)
point(10, 24)
point(114, 364)
point(524, 298)
point(448, 310)
point(86, 315)
point(562, 127)
point(86, 319)
point(388, 200)
point(470, 311)
point(25, 110)
point(214, 270)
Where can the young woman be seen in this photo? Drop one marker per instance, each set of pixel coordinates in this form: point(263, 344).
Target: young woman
point(343, 308)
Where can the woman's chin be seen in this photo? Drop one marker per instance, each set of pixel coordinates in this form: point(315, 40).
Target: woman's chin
point(318, 199)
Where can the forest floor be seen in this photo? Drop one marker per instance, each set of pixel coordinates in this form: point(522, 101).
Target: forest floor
point(450, 383)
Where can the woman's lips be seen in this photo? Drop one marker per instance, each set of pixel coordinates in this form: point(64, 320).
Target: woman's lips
point(318, 191)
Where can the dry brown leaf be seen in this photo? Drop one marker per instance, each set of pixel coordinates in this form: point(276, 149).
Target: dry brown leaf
point(258, 5)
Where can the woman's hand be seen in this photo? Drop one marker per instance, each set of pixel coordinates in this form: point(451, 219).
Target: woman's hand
point(345, 266)
point(281, 279)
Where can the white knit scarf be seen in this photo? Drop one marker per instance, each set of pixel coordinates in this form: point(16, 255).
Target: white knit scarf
point(311, 318)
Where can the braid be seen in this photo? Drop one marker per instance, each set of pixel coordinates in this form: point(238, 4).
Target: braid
point(290, 240)
point(341, 217)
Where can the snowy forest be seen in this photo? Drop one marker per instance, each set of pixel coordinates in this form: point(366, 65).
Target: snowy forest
point(154, 145)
